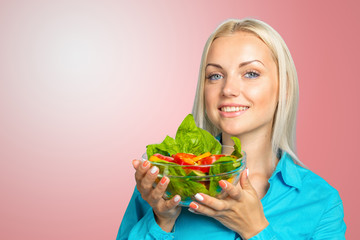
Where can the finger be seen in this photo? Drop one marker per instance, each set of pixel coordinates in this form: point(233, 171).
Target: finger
point(202, 209)
point(231, 190)
point(244, 180)
point(141, 171)
point(170, 204)
point(148, 181)
point(135, 163)
point(211, 202)
point(160, 188)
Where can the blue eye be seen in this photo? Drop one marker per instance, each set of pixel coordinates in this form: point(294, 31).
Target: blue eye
point(252, 74)
point(215, 77)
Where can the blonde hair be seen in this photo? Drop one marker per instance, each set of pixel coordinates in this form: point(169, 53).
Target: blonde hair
point(284, 125)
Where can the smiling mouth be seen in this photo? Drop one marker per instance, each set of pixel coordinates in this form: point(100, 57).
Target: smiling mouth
point(233, 109)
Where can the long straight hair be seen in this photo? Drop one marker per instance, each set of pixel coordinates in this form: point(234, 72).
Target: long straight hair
point(284, 125)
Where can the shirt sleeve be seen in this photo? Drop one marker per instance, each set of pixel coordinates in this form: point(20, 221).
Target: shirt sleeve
point(139, 222)
point(266, 234)
point(332, 225)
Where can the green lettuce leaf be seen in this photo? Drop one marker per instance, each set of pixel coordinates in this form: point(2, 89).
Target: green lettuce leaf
point(186, 187)
point(168, 147)
point(192, 139)
point(223, 164)
point(237, 147)
point(183, 187)
point(189, 139)
point(174, 170)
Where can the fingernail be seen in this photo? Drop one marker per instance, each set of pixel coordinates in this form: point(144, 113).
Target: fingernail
point(177, 198)
point(194, 205)
point(199, 197)
point(247, 172)
point(153, 170)
point(223, 184)
point(191, 210)
point(163, 180)
point(145, 164)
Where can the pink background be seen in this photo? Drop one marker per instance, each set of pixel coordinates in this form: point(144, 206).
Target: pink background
point(86, 85)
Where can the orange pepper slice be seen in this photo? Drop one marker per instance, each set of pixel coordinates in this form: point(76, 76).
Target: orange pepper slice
point(195, 159)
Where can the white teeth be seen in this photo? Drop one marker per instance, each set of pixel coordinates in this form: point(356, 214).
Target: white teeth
point(233, 109)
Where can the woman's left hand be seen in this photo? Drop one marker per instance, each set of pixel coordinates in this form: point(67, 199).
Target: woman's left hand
point(241, 211)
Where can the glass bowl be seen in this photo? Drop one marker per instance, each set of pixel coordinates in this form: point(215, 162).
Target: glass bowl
point(187, 186)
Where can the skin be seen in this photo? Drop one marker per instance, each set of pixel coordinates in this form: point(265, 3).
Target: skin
point(240, 70)
point(165, 211)
point(254, 84)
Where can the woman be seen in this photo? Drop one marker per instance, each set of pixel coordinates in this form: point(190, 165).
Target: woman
point(247, 88)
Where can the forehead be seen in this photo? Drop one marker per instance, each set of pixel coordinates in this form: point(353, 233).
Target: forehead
point(239, 47)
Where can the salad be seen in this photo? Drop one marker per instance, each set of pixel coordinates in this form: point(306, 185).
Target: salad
point(193, 161)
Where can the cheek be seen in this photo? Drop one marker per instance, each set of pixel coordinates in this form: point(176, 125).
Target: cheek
point(265, 98)
point(209, 95)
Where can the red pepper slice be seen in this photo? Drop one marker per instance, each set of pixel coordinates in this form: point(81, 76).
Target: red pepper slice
point(166, 158)
point(188, 159)
point(210, 160)
point(207, 161)
point(184, 158)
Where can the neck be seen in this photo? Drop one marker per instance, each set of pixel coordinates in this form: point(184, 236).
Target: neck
point(259, 154)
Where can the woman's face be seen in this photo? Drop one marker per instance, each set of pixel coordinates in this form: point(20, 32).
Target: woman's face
point(241, 85)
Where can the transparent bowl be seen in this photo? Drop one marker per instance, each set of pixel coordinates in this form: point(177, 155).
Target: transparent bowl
point(188, 186)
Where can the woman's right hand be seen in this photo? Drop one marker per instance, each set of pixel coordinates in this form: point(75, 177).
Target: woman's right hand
point(165, 211)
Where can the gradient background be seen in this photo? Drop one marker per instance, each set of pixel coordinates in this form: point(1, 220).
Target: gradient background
point(86, 85)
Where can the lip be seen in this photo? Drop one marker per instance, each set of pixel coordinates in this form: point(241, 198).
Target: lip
point(231, 105)
point(231, 114)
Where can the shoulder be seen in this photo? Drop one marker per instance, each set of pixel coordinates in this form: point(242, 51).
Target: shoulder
point(309, 189)
point(312, 183)
point(316, 205)
point(307, 183)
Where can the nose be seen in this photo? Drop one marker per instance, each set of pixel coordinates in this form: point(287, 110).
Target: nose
point(231, 87)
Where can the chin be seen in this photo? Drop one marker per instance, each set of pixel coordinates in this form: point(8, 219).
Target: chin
point(232, 130)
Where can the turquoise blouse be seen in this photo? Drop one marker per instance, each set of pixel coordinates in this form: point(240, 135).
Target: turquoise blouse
point(298, 205)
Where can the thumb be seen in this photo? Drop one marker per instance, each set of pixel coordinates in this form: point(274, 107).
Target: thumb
point(135, 163)
point(245, 181)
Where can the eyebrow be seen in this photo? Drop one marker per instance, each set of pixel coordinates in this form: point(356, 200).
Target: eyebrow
point(240, 65)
